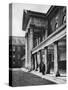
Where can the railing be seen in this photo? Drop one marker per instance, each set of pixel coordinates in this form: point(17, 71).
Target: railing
point(58, 34)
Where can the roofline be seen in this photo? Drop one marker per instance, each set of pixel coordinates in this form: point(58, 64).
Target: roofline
point(31, 14)
point(38, 14)
point(34, 14)
point(18, 36)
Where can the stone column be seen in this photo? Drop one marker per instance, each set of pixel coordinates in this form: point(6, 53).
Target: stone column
point(26, 50)
point(37, 41)
point(37, 58)
point(45, 59)
point(30, 46)
point(33, 62)
point(36, 62)
point(56, 70)
point(40, 59)
point(46, 33)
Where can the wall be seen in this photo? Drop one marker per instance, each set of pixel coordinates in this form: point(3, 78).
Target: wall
point(57, 16)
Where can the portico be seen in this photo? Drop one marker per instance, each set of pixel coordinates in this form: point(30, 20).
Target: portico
point(44, 42)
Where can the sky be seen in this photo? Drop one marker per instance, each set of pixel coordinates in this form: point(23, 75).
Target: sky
point(17, 15)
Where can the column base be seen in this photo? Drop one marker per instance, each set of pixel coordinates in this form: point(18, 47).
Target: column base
point(33, 68)
point(57, 74)
point(36, 69)
point(47, 72)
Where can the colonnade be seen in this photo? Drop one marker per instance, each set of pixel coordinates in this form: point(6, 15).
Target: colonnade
point(38, 59)
point(33, 61)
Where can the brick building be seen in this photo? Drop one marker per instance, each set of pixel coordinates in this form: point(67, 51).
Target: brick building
point(46, 39)
point(16, 51)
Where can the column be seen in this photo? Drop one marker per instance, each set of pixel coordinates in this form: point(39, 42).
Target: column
point(45, 57)
point(56, 70)
point(36, 62)
point(30, 45)
point(46, 33)
point(33, 62)
point(40, 60)
point(37, 41)
point(26, 45)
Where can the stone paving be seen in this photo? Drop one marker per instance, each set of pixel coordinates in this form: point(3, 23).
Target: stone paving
point(59, 80)
point(24, 78)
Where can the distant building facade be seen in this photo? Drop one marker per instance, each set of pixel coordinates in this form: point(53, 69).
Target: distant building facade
point(16, 51)
point(46, 40)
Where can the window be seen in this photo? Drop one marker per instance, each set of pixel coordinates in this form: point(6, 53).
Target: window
point(64, 16)
point(56, 24)
point(64, 19)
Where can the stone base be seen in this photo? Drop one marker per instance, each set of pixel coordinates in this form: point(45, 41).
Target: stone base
point(36, 69)
point(57, 74)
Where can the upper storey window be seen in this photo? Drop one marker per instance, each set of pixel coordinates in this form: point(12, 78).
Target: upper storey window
point(64, 19)
point(56, 24)
point(64, 16)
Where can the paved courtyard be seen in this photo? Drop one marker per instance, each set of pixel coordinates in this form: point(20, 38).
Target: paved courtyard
point(21, 78)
